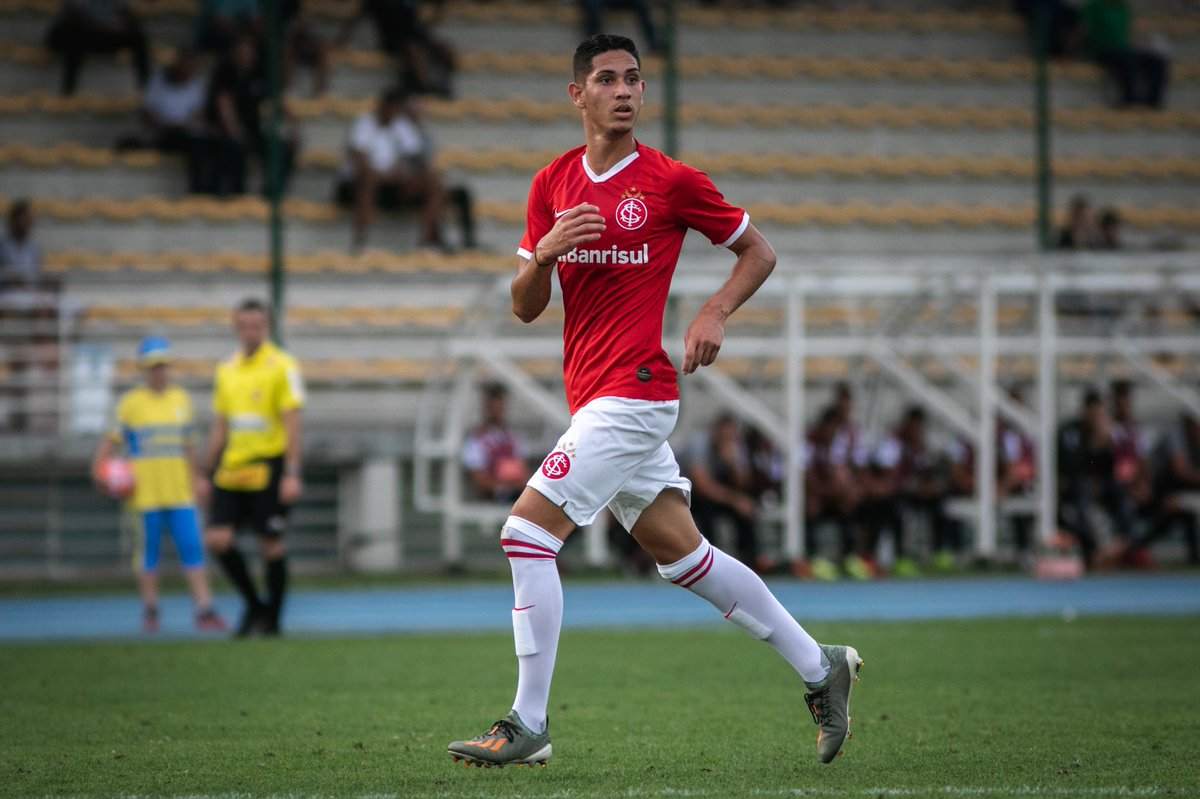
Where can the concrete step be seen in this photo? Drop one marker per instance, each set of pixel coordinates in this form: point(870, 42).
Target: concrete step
point(1074, 87)
point(168, 180)
point(1125, 135)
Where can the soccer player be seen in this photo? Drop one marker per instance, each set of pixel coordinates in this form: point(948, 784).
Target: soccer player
point(254, 459)
point(611, 216)
point(153, 428)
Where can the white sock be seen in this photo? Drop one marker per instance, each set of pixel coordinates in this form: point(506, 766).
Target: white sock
point(537, 614)
point(742, 597)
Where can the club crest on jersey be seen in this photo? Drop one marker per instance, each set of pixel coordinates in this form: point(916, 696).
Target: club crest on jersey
point(631, 211)
point(556, 466)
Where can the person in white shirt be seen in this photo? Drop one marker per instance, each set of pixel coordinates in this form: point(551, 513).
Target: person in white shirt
point(173, 105)
point(389, 164)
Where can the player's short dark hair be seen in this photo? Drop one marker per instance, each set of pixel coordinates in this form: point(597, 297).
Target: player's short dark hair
point(1091, 398)
point(493, 391)
point(914, 413)
point(252, 304)
point(593, 46)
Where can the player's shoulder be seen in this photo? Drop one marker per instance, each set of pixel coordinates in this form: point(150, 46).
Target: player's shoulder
point(670, 170)
point(131, 399)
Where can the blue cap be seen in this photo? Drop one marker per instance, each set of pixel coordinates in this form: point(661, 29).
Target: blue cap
point(154, 350)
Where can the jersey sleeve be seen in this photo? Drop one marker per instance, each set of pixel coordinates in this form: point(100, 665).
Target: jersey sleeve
point(700, 206)
point(539, 217)
point(291, 390)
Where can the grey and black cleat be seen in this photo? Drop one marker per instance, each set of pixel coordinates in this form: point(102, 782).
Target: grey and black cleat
point(508, 743)
point(829, 700)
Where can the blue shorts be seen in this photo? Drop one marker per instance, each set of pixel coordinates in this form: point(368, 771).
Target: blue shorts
point(184, 526)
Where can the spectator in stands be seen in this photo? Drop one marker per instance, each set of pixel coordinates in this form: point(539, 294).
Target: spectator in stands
point(593, 12)
point(97, 26)
point(1177, 459)
point(1016, 456)
point(1110, 229)
point(20, 255)
point(1080, 232)
point(1087, 478)
point(172, 115)
point(1140, 74)
point(389, 164)
point(222, 22)
point(427, 63)
point(493, 456)
point(718, 464)
point(909, 476)
point(305, 47)
point(832, 491)
point(233, 112)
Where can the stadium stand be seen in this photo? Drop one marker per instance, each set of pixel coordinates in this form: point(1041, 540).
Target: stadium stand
point(895, 130)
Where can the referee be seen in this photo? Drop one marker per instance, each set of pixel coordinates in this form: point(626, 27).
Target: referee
point(253, 457)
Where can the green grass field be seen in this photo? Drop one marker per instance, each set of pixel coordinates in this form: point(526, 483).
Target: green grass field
point(1095, 707)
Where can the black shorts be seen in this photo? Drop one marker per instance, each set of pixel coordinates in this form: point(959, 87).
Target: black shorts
point(261, 511)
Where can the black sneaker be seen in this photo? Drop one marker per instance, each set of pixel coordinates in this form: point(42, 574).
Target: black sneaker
point(253, 622)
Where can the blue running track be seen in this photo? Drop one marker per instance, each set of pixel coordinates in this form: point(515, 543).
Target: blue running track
point(614, 605)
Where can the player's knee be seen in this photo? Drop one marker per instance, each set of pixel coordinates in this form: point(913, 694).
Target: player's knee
point(218, 540)
point(272, 548)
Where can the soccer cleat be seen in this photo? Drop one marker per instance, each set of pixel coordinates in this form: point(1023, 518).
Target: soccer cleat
point(150, 620)
point(508, 743)
point(210, 621)
point(829, 700)
point(906, 568)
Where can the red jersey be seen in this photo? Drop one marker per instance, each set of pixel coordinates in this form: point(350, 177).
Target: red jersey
point(615, 288)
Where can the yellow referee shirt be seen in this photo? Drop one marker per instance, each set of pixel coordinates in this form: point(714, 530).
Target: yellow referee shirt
point(154, 427)
point(252, 394)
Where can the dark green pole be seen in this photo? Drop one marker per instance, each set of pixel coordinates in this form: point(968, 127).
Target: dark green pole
point(670, 83)
point(275, 162)
point(1042, 123)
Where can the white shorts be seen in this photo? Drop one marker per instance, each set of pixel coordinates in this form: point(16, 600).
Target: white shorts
point(615, 454)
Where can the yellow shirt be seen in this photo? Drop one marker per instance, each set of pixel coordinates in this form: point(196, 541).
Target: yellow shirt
point(154, 428)
point(252, 394)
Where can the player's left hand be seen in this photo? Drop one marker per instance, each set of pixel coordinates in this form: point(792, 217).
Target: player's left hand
point(703, 340)
point(290, 489)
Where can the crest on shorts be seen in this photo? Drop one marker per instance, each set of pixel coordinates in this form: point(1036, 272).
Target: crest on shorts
point(631, 211)
point(556, 466)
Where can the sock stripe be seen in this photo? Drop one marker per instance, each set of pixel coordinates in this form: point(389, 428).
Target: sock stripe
point(702, 574)
point(703, 566)
point(516, 542)
point(530, 555)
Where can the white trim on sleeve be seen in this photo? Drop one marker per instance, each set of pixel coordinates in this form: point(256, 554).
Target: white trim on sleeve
point(524, 253)
point(737, 233)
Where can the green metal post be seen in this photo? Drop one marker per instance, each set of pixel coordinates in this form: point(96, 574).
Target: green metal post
point(1042, 125)
point(274, 165)
point(670, 84)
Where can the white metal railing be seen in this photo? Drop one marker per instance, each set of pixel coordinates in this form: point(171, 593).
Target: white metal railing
point(978, 282)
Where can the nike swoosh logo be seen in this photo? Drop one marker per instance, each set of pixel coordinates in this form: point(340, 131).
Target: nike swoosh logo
point(557, 214)
point(527, 607)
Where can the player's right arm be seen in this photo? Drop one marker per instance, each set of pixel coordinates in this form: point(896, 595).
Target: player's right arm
point(549, 234)
point(531, 286)
point(108, 442)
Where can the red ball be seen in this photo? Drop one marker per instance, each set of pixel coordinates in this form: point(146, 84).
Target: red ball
point(116, 476)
